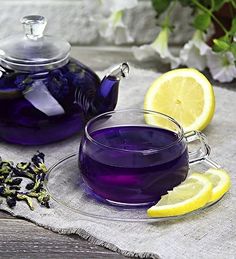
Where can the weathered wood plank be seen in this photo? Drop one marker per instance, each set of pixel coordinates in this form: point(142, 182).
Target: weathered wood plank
point(22, 239)
point(5, 215)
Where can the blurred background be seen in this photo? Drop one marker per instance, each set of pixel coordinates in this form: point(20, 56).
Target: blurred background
point(79, 21)
point(191, 33)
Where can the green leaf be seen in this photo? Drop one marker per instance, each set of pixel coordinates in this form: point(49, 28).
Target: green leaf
point(202, 21)
point(220, 45)
point(225, 38)
point(185, 2)
point(206, 3)
point(160, 5)
point(218, 4)
point(233, 48)
point(233, 27)
point(233, 3)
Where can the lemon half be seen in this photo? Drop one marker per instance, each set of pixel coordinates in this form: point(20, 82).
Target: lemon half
point(186, 95)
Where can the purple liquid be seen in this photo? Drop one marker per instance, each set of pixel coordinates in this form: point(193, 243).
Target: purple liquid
point(128, 169)
point(23, 123)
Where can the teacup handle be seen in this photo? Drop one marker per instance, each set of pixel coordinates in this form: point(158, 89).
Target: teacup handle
point(204, 150)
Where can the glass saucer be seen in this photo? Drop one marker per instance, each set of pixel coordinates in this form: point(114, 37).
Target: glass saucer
point(66, 187)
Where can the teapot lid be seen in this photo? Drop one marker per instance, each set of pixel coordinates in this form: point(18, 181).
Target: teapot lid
point(34, 51)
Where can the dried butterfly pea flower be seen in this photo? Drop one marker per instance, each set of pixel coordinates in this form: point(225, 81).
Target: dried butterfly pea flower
point(38, 158)
point(5, 168)
point(41, 196)
point(11, 201)
point(28, 200)
point(37, 184)
point(2, 190)
point(5, 191)
point(13, 181)
point(24, 170)
point(29, 186)
point(14, 187)
point(11, 177)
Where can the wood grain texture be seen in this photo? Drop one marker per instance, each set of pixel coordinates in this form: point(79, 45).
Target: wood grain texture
point(5, 215)
point(22, 239)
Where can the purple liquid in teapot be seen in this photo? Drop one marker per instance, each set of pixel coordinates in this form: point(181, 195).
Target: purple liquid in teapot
point(125, 166)
point(44, 107)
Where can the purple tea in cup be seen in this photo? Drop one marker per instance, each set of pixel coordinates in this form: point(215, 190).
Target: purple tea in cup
point(126, 161)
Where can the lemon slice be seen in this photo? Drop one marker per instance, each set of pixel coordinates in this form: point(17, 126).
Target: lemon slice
point(186, 95)
point(221, 182)
point(191, 195)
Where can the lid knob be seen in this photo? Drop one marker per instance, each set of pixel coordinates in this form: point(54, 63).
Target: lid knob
point(34, 26)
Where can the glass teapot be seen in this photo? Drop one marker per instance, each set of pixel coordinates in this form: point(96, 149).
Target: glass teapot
point(45, 95)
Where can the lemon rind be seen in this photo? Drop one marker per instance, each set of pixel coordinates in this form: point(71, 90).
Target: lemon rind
point(181, 208)
point(223, 186)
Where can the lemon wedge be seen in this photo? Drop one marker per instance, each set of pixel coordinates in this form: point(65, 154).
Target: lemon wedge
point(221, 182)
point(186, 95)
point(191, 195)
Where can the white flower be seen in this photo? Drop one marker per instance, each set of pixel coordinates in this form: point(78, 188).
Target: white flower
point(119, 5)
point(114, 30)
point(109, 18)
point(193, 54)
point(222, 66)
point(158, 49)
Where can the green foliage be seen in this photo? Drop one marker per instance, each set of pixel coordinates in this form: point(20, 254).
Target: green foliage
point(205, 14)
point(233, 3)
point(185, 2)
point(226, 43)
point(233, 48)
point(202, 21)
point(218, 4)
point(233, 27)
point(160, 6)
point(221, 44)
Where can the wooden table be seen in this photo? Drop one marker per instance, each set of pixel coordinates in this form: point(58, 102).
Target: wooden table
point(22, 239)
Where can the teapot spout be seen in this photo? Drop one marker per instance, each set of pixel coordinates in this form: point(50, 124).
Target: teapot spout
point(107, 94)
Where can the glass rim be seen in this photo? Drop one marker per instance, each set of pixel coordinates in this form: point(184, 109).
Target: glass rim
point(153, 150)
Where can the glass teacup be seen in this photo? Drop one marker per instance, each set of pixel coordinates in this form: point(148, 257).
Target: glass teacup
point(126, 160)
